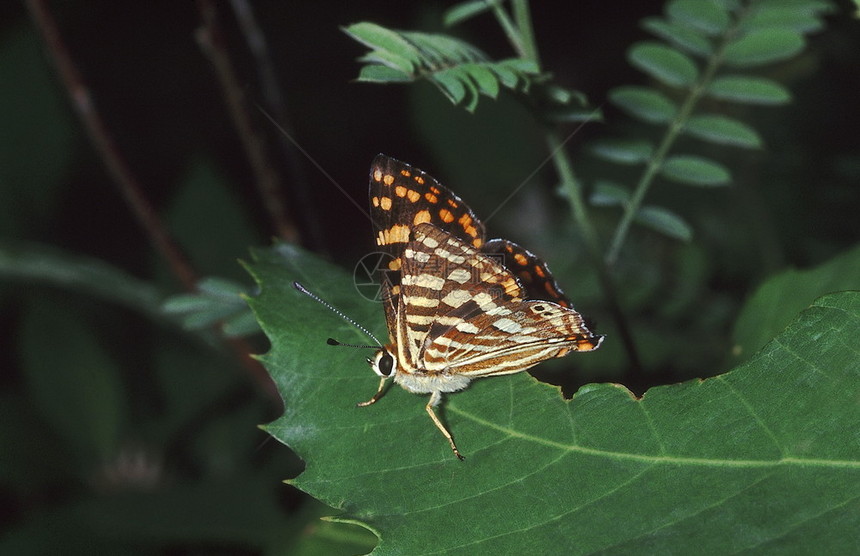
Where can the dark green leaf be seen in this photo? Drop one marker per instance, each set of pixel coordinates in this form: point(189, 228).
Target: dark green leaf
point(483, 78)
point(799, 16)
point(217, 300)
point(782, 297)
point(703, 15)
point(399, 52)
point(644, 103)
point(722, 130)
point(664, 221)
point(772, 441)
point(763, 47)
point(450, 82)
point(40, 134)
point(73, 380)
point(609, 194)
point(622, 151)
point(459, 13)
point(216, 237)
point(679, 35)
point(508, 75)
point(382, 74)
point(751, 90)
point(461, 71)
point(664, 64)
point(695, 170)
point(35, 263)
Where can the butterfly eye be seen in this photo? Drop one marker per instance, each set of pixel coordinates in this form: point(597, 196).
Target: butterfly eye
point(382, 363)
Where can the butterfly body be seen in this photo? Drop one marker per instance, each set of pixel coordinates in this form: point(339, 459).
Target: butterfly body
point(458, 307)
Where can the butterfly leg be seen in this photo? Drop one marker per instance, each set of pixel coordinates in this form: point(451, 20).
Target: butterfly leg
point(376, 396)
point(435, 398)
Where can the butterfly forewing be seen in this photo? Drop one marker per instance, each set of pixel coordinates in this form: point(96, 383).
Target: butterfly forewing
point(401, 197)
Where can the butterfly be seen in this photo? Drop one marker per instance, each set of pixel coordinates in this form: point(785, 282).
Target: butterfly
point(458, 307)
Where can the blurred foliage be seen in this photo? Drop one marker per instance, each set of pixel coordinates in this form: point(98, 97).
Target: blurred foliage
point(132, 429)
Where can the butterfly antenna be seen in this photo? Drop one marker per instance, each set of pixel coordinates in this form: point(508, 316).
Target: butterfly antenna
point(330, 307)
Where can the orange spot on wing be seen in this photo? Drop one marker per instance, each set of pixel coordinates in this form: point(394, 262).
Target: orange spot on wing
point(521, 259)
point(385, 203)
point(377, 175)
point(387, 179)
point(421, 216)
point(431, 198)
point(446, 215)
point(419, 180)
point(539, 271)
point(400, 191)
point(413, 195)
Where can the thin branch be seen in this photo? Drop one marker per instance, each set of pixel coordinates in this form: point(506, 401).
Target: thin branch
point(512, 32)
point(117, 166)
point(521, 37)
point(129, 185)
point(276, 104)
point(592, 242)
point(212, 41)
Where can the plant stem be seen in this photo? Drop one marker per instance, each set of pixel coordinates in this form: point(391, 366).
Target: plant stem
point(631, 208)
point(512, 32)
point(523, 17)
point(521, 36)
point(213, 42)
point(592, 242)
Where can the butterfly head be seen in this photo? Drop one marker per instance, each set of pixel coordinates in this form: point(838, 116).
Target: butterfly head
point(383, 363)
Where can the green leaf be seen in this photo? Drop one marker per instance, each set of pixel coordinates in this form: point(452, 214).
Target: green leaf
point(217, 300)
point(771, 443)
point(664, 221)
point(483, 78)
point(382, 74)
point(463, 11)
point(750, 90)
point(73, 380)
point(798, 16)
point(664, 64)
point(40, 138)
point(623, 151)
point(216, 237)
point(679, 35)
point(722, 131)
point(451, 83)
point(393, 49)
point(776, 302)
point(609, 194)
point(705, 16)
point(695, 170)
point(763, 47)
point(459, 70)
point(644, 103)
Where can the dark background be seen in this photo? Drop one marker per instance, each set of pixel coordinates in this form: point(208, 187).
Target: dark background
point(793, 204)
